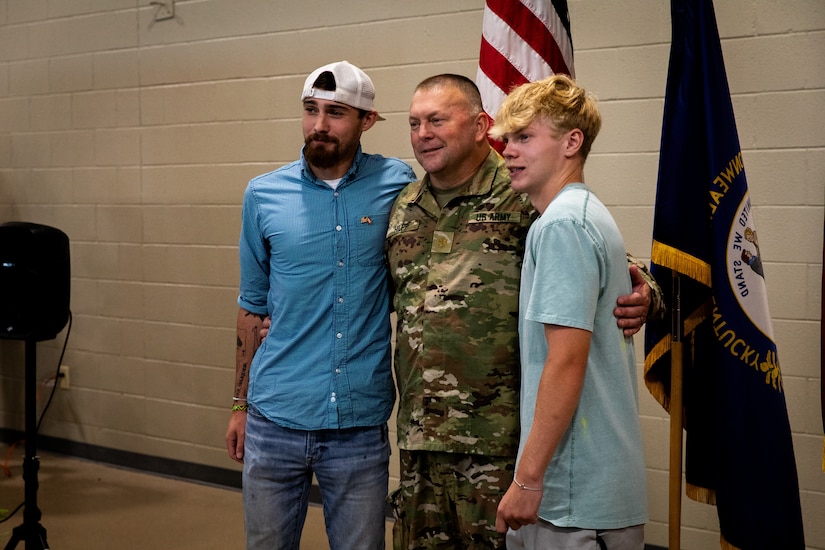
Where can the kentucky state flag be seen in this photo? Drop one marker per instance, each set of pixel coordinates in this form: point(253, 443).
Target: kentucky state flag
point(739, 453)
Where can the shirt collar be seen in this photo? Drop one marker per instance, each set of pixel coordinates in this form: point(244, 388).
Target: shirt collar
point(309, 175)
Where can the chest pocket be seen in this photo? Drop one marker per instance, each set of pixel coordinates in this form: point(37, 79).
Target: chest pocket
point(368, 234)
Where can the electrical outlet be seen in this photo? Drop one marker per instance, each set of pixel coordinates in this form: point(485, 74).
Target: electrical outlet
point(63, 377)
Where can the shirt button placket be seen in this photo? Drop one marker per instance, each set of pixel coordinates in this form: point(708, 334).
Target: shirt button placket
point(340, 286)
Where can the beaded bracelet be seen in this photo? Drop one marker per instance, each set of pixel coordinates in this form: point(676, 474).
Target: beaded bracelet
point(524, 487)
point(239, 407)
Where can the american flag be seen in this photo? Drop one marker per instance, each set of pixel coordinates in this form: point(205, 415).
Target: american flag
point(521, 41)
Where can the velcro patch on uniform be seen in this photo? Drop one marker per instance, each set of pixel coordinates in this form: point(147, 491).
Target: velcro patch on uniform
point(490, 216)
point(405, 225)
point(442, 242)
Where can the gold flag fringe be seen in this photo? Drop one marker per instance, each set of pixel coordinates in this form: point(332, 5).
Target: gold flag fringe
point(680, 262)
point(704, 495)
point(654, 384)
point(698, 316)
point(708, 496)
point(725, 545)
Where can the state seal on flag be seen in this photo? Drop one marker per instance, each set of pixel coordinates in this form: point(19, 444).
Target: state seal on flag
point(745, 272)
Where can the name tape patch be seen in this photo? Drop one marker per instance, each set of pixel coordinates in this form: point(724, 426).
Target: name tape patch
point(495, 217)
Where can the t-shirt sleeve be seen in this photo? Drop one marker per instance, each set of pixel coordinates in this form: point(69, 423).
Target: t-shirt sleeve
point(569, 273)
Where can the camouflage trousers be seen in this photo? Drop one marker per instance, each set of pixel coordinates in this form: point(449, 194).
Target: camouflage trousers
point(449, 500)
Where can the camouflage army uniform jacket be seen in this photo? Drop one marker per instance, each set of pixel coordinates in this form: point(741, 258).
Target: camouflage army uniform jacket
point(456, 272)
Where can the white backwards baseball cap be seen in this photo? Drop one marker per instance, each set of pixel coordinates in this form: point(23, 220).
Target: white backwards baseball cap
point(352, 86)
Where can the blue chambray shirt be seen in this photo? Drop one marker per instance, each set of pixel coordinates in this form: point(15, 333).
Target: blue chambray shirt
point(313, 259)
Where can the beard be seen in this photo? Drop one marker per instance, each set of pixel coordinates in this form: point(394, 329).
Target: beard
point(318, 155)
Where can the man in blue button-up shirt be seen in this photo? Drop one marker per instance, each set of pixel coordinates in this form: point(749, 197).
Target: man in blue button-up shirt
point(316, 397)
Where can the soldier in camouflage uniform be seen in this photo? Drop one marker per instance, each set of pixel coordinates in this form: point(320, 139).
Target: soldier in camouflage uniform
point(454, 245)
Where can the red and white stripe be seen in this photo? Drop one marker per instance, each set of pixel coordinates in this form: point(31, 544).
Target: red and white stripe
point(521, 41)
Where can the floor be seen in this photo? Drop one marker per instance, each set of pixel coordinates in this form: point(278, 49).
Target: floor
point(89, 506)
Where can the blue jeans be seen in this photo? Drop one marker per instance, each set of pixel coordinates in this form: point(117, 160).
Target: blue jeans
point(352, 469)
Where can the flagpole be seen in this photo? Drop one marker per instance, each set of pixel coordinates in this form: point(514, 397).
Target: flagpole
point(676, 411)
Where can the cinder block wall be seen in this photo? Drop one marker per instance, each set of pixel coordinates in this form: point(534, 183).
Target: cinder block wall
point(136, 137)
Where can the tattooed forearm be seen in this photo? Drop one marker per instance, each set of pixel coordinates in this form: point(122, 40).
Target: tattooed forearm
point(240, 383)
point(248, 341)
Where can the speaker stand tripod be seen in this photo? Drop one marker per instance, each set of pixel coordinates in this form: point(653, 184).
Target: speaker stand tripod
point(30, 532)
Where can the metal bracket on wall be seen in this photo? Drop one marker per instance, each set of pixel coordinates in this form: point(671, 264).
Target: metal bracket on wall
point(165, 9)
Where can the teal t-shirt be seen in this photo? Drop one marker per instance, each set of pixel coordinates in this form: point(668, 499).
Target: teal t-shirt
point(574, 270)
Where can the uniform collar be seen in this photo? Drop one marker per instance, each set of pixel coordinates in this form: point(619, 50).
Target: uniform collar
point(480, 183)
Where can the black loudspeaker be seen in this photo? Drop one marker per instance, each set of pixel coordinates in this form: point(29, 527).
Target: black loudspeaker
point(34, 281)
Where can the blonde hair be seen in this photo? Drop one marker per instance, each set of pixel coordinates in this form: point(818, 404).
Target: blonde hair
point(558, 100)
